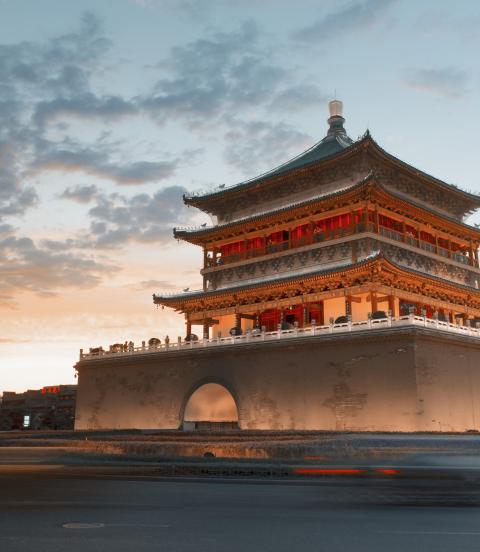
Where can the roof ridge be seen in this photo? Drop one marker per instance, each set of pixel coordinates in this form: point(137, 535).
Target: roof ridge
point(278, 169)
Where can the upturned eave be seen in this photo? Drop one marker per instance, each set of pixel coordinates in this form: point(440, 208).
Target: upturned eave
point(204, 236)
point(372, 266)
point(206, 202)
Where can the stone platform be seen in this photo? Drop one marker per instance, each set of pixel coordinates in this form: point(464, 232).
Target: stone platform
point(407, 378)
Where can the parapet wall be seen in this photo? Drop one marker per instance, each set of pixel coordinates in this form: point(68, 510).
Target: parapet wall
point(395, 379)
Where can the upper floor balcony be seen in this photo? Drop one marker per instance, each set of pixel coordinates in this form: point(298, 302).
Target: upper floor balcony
point(313, 234)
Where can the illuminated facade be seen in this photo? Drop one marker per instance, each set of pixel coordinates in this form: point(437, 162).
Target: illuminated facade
point(341, 233)
point(340, 292)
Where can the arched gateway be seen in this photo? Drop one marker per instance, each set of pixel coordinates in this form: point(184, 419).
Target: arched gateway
point(210, 406)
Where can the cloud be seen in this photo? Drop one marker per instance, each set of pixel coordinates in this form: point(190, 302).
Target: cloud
point(26, 267)
point(231, 82)
point(47, 82)
point(448, 82)
point(80, 194)
point(15, 197)
point(224, 83)
point(31, 74)
point(223, 73)
point(297, 97)
point(97, 162)
point(83, 106)
point(354, 16)
point(255, 146)
point(152, 285)
point(146, 218)
point(204, 78)
point(199, 85)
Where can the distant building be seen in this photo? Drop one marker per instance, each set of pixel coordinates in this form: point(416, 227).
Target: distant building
point(52, 407)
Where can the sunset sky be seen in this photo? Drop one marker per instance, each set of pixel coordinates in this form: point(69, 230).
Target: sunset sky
point(111, 109)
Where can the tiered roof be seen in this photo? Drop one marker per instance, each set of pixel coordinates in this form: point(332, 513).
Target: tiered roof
point(368, 187)
point(336, 147)
point(378, 267)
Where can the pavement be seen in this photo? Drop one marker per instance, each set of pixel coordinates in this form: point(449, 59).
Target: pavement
point(43, 509)
point(51, 500)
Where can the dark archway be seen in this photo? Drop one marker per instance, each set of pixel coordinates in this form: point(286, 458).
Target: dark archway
point(210, 405)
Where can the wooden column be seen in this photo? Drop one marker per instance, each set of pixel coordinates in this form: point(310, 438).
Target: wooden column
point(311, 226)
point(366, 221)
point(206, 329)
point(205, 262)
point(354, 251)
point(391, 305)
point(238, 321)
point(472, 259)
point(348, 305)
point(189, 328)
point(373, 301)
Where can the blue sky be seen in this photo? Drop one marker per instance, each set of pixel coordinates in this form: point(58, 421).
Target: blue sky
point(110, 110)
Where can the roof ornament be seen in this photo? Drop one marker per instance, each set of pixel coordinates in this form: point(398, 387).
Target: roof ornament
point(336, 119)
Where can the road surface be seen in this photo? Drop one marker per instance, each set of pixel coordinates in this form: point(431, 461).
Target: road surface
point(45, 509)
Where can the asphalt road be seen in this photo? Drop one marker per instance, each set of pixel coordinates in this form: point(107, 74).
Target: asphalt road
point(144, 513)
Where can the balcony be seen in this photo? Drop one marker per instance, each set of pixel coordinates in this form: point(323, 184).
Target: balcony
point(391, 234)
point(324, 236)
point(256, 338)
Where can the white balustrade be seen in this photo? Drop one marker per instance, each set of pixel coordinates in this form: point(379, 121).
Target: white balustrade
point(251, 338)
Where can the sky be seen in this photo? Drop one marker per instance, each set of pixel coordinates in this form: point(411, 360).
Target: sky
point(110, 110)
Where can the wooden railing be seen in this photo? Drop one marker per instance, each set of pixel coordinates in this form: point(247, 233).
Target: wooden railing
point(323, 236)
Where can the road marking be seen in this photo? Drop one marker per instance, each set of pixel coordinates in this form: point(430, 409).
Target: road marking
point(466, 533)
point(142, 525)
point(83, 525)
point(80, 525)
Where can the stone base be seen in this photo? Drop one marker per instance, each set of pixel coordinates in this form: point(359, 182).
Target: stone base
point(405, 379)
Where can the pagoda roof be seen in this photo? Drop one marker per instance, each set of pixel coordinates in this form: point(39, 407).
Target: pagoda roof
point(374, 261)
point(199, 234)
point(336, 146)
point(185, 233)
point(279, 279)
point(327, 148)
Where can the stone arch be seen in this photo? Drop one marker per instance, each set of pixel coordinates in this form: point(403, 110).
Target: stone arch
point(208, 388)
